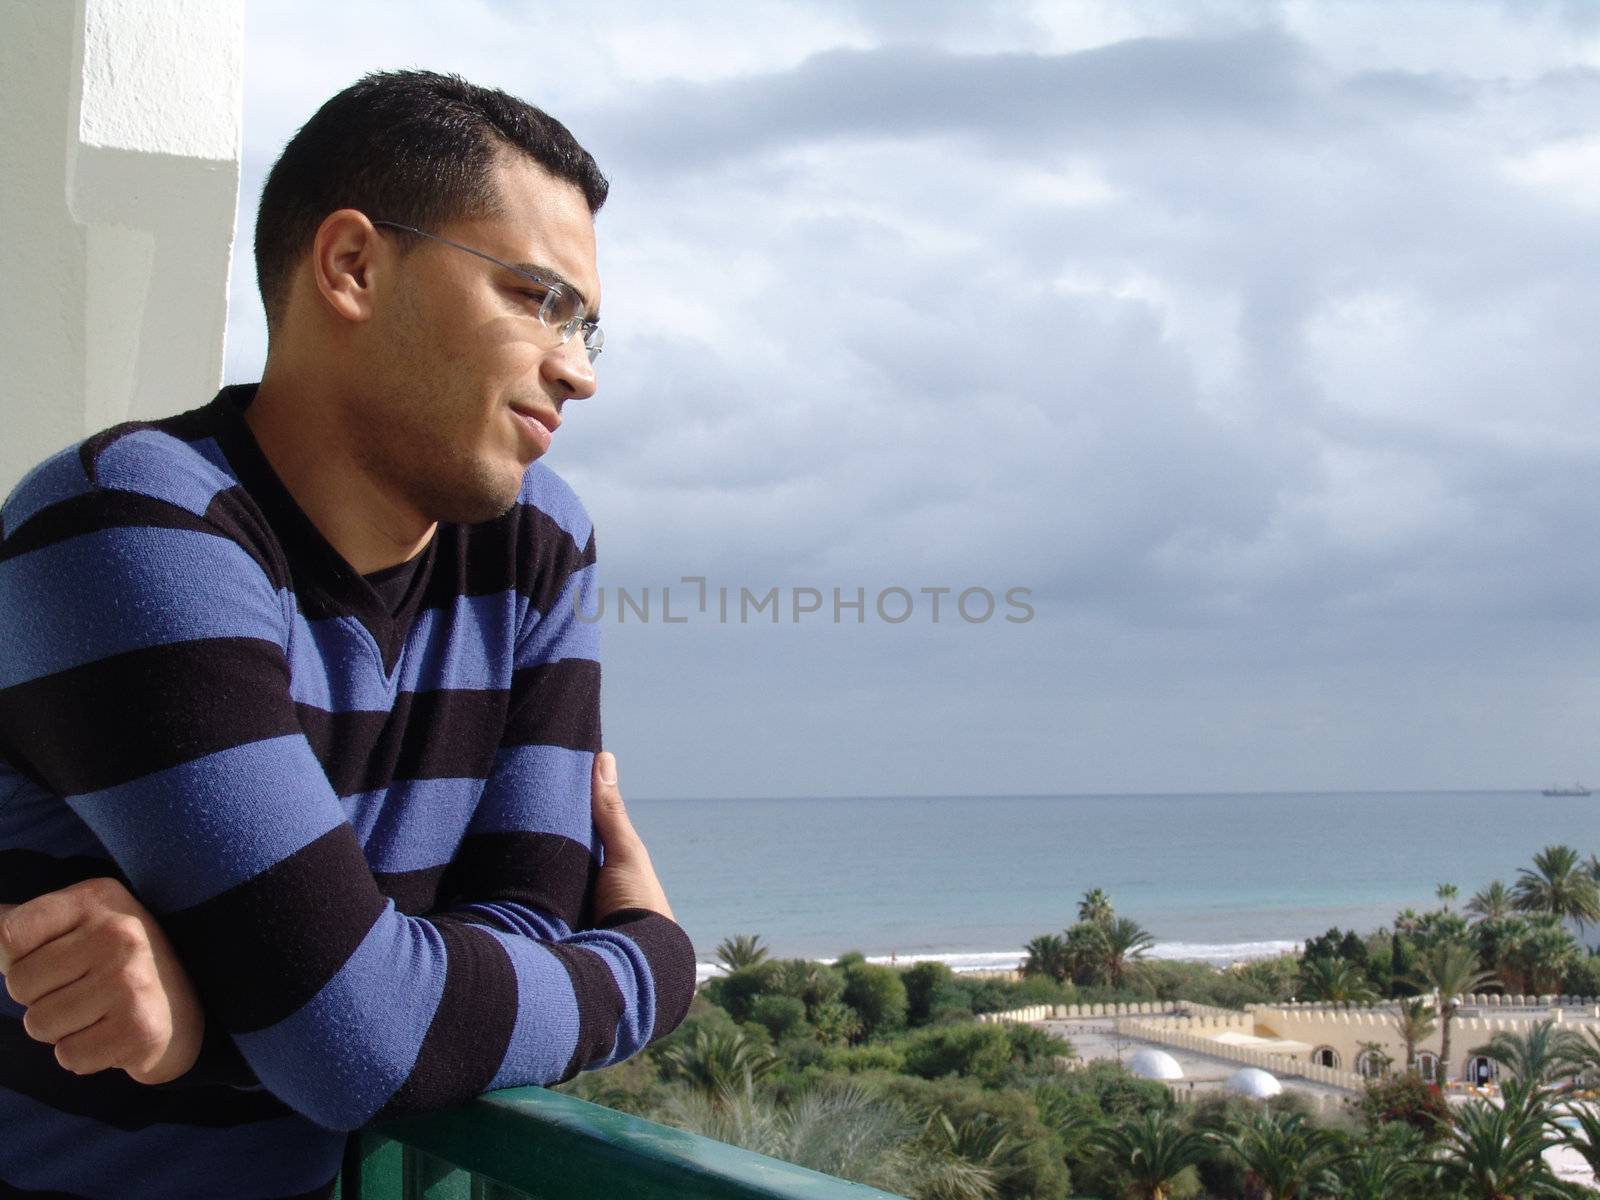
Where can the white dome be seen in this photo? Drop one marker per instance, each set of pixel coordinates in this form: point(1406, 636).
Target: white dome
point(1254, 1082)
point(1154, 1064)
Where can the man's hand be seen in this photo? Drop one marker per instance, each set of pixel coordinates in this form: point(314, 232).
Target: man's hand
point(627, 878)
point(101, 982)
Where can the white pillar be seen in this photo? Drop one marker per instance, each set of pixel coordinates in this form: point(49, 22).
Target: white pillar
point(120, 131)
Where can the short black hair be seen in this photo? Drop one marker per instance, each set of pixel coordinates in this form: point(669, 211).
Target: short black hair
point(416, 147)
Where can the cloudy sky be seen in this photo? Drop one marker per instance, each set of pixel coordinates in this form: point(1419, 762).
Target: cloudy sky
point(1257, 341)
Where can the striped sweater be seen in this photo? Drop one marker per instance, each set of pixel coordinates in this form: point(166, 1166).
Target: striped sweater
point(365, 827)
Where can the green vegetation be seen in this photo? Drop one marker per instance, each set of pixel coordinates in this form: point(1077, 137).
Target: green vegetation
point(1101, 949)
point(884, 1075)
point(1506, 939)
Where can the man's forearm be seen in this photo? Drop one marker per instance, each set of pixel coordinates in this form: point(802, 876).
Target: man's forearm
point(634, 935)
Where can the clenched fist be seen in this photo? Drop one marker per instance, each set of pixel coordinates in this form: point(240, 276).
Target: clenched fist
point(101, 982)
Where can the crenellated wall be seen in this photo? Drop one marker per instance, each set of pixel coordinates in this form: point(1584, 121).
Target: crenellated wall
point(1061, 1012)
point(1475, 1000)
point(1277, 1064)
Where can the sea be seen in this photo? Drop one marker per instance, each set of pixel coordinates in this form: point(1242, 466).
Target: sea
point(968, 880)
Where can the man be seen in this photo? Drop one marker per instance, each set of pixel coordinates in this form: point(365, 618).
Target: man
point(303, 816)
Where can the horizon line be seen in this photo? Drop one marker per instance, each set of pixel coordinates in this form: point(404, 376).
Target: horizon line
point(1524, 791)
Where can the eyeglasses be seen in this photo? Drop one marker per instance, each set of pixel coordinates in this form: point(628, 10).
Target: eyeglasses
point(560, 309)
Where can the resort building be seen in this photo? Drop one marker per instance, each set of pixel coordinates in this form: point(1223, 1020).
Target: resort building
point(1330, 1045)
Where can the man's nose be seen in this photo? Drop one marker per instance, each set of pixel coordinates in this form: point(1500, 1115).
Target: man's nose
point(569, 368)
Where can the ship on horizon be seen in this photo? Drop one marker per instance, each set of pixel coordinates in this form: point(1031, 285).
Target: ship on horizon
point(1577, 789)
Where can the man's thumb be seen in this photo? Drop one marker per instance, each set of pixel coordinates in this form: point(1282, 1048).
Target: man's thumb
point(608, 809)
point(5, 951)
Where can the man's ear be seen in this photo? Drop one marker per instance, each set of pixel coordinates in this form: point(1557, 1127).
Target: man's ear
point(345, 254)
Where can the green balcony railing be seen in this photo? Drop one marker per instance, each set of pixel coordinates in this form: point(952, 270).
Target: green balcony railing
point(531, 1143)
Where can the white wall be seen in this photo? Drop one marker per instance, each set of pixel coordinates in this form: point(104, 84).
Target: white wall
point(120, 134)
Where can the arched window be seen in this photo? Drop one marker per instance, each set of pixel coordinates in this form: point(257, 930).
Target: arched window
point(1325, 1056)
point(1372, 1064)
point(1428, 1066)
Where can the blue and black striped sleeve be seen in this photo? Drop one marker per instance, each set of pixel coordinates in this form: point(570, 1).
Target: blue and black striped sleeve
point(145, 680)
point(528, 861)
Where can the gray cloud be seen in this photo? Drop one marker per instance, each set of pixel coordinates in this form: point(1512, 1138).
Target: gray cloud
point(1263, 359)
point(1027, 103)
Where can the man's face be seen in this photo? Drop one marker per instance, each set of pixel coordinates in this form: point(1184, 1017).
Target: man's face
point(460, 358)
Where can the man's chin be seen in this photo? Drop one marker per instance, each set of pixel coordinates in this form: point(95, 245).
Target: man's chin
point(471, 506)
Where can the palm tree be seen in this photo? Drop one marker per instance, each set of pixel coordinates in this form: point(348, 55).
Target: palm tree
point(1287, 1155)
point(981, 1140)
point(1384, 1167)
point(1497, 1152)
point(1074, 1117)
point(1150, 1151)
point(1446, 893)
point(729, 1114)
point(1539, 952)
point(1452, 970)
point(1559, 884)
point(1126, 942)
point(1088, 948)
point(1096, 906)
point(813, 982)
point(1531, 954)
point(1415, 1023)
point(1589, 1057)
point(1273, 978)
point(838, 1129)
point(1439, 926)
point(716, 1062)
point(1501, 943)
point(835, 1023)
point(1334, 979)
point(1048, 955)
point(740, 951)
point(1491, 903)
point(1585, 1138)
point(845, 1130)
point(1541, 1056)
